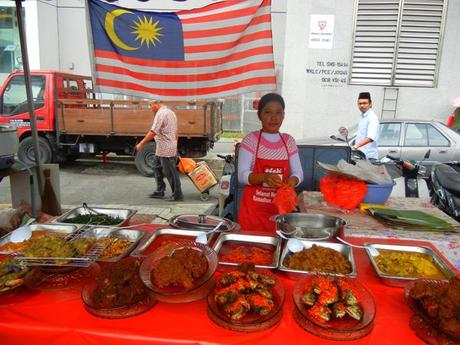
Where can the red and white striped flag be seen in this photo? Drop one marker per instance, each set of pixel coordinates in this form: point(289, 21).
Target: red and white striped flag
point(219, 50)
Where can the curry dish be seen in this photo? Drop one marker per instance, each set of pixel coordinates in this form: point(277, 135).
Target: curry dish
point(181, 269)
point(408, 264)
point(319, 259)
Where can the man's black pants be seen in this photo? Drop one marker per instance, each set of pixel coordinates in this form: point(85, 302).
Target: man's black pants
point(166, 167)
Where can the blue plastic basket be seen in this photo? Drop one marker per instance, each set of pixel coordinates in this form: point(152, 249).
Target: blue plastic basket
point(378, 193)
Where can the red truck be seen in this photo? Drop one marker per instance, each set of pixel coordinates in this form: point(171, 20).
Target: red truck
point(73, 120)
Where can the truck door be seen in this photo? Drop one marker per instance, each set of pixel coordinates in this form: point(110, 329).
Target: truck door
point(13, 103)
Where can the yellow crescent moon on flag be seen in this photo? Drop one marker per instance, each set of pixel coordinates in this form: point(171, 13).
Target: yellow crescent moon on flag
point(110, 28)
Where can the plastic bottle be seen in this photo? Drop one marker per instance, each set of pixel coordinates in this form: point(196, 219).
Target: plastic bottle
point(50, 203)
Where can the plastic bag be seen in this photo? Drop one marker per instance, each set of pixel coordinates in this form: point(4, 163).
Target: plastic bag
point(366, 171)
point(362, 170)
point(186, 165)
point(11, 218)
point(343, 191)
point(285, 199)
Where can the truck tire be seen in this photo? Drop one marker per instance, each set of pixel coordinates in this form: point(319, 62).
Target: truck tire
point(26, 151)
point(145, 158)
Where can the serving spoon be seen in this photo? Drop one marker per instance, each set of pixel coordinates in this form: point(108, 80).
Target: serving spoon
point(372, 250)
point(22, 233)
point(203, 238)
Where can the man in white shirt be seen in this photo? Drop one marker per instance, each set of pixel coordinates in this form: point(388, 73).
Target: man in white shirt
point(368, 128)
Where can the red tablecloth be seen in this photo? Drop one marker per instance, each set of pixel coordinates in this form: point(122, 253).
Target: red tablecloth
point(59, 317)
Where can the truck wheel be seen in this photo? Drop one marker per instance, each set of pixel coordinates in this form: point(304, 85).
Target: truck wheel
point(26, 151)
point(145, 159)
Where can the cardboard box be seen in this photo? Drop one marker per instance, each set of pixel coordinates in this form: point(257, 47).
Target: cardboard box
point(203, 177)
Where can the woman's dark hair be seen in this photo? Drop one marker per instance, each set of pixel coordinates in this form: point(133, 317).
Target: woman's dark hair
point(269, 97)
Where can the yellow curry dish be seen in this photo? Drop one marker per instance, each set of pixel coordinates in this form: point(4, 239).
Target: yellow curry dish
point(408, 264)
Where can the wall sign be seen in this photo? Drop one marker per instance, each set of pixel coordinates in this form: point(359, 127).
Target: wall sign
point(321, 31)
point(330, 73)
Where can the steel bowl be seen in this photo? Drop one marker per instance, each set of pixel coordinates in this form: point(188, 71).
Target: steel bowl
point(308, 226)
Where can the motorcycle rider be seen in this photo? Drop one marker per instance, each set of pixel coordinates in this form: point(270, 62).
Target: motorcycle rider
point(368, 128)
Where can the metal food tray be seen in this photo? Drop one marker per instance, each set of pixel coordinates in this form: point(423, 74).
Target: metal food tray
point(257, 239)
point(347, 251)
point(55, 262)
point(64, 229)
point(131, 235)
point(178, 232)
point(403, 281)
point(124, 214)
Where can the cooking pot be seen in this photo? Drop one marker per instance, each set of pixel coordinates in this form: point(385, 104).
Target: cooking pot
point(308, 226)
point(9, 144)
point(202, 222)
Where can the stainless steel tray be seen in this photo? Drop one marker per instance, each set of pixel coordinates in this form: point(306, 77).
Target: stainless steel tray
point(64, 229)
point(403, 281)
point(177, 232)
point(131, 235)
point(256, 239)
point(347, 251)
point(124, 214)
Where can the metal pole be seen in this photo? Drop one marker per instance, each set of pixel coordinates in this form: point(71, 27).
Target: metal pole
point(33, 122)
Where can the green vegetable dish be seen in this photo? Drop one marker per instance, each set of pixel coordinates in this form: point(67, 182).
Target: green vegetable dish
point(94, 219)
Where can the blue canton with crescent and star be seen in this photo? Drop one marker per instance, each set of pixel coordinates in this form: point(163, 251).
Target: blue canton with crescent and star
point(136, 34)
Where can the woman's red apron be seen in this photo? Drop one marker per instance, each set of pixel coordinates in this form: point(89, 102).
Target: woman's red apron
point(257, 202)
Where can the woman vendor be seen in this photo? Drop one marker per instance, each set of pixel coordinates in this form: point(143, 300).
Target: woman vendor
point(266, 158)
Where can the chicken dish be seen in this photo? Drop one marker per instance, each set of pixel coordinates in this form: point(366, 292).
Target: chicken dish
point(328, 299)
point(119, 285)
point(240, 293)
point(440, 303)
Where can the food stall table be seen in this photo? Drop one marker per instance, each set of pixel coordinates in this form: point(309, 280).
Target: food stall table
point(363, 225)
point(59, 317)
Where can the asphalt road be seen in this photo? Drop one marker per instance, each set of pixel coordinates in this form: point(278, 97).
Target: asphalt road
point(100, 183)
point(118, 182)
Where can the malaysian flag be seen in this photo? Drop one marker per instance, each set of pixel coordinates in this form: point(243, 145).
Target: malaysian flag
point(215, 51)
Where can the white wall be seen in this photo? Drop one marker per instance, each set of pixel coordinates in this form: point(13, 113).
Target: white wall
point(57, 38)
point(317, 108)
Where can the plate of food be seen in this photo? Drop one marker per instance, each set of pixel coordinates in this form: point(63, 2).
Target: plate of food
point(118, 292)
point(235, 249)
point(246, 299)
point(437, 305)
point(318, 257)
point(38, 231)
point(179, 272)
point(335, 308)
point(398, 265)
point(12, 274)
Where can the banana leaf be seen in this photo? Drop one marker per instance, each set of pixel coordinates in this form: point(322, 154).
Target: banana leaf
point(411, 217)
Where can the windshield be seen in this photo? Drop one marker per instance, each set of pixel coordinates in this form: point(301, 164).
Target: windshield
point(15, 97)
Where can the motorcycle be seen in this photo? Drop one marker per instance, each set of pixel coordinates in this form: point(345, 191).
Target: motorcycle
point(445, 189)
point(225, 189)
point(356, 155)
point(413, 175)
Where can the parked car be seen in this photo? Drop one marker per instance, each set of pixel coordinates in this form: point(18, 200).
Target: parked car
point(407, 140)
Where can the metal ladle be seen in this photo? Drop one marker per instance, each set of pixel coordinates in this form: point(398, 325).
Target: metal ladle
point(372, 250)
point(203, 238)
